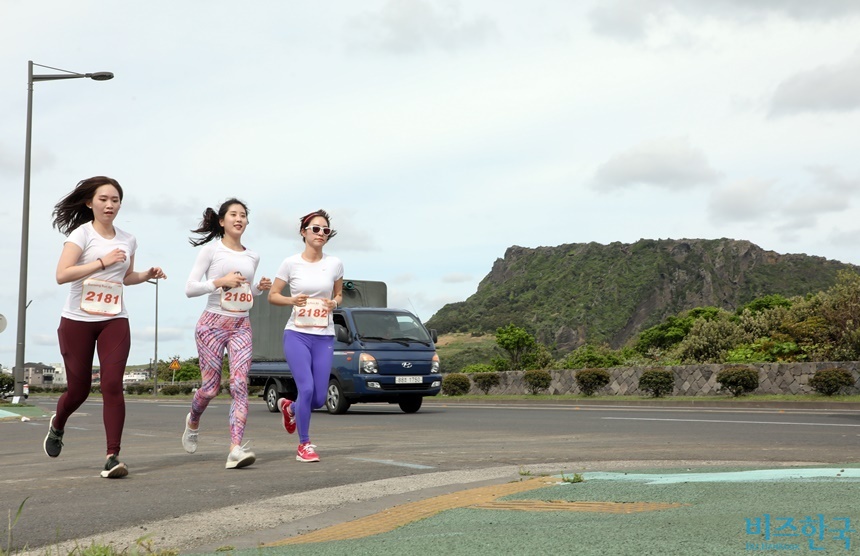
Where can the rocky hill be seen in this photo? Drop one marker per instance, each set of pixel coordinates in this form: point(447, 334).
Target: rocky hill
point(587, 292)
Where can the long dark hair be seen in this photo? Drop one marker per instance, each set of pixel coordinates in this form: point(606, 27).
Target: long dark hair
point(308, 217)
point(210, 226)
point(72, 210)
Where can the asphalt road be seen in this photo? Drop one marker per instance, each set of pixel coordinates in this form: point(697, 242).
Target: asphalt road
point(66, 499)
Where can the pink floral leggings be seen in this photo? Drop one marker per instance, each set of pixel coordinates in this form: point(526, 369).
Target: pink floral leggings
point(214, 334)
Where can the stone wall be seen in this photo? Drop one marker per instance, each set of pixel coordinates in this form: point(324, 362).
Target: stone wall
point(690, 380)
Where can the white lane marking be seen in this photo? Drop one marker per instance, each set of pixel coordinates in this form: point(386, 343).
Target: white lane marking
point(392, 462)
point(727, 421)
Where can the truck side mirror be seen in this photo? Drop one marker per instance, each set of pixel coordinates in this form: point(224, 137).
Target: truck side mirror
point(433, 335)
point(341, 334)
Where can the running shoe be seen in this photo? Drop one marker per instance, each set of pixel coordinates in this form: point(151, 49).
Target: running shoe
point(240, 457)
point(54, 441)
point(289, 418)
point(189, 437)
point(114, 469)
point(307, 453)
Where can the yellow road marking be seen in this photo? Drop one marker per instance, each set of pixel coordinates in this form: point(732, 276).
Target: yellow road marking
point(481, 497)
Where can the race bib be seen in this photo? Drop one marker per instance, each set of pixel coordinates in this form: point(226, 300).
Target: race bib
point(100, 297)
point(313, 315)
point(238, 299)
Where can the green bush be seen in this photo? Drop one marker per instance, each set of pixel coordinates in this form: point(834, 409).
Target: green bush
point(657, 382)
point(537, 380)
point(455, 384)
point(738, 380)
point(589, 356)
point(484, 381)
point(831, 381)
point(171, 389)
point(137, 388)
point(591, 380)
point(500, 364)
point(478, 368)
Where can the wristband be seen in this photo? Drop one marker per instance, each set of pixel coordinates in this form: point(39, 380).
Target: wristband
point(101, 262)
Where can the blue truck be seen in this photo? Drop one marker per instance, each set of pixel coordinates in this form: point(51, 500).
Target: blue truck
point(380, 354)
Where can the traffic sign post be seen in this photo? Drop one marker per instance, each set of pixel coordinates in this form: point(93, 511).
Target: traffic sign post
point(174, 366)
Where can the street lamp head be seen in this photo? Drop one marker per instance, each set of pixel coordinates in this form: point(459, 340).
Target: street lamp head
point(100, 76)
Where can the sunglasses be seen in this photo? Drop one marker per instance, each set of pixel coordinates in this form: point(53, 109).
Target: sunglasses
point(326, 231)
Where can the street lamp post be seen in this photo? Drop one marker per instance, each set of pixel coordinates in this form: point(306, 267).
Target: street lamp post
point(25, 219)
point(155, 375)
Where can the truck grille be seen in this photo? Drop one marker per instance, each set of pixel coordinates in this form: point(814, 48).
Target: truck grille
point(405, 386)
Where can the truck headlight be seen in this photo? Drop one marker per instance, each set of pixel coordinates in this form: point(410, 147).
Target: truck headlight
point(367, 364)
point(434, 365)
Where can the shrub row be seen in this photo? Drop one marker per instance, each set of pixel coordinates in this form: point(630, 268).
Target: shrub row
point(656, 382)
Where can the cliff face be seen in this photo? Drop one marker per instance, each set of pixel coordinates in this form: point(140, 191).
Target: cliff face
point(587, 292)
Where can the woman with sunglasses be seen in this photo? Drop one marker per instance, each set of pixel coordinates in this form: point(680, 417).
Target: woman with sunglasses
point(224, 272)
point(316, 286)
point(98, 261)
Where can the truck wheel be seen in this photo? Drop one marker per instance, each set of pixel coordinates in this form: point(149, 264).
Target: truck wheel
point(335, 401)
point(410, 404)
point(272, 397)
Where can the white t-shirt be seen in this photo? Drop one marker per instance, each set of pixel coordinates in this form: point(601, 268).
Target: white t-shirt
point(214, 261)
point(95, 247)
point(312, 279)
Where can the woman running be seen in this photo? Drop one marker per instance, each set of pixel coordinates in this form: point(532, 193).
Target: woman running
point(316, 286)
point(98, 260)
point(224, 270)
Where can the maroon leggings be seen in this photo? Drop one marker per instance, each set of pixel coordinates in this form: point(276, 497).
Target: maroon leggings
point(78, 342)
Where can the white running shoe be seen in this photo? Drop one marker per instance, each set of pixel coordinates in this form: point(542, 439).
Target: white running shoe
point(189, 437)
point(240, 457)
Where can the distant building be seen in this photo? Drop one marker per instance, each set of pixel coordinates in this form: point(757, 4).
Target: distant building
point(38, 374)
point(59, 374)
point(135, 376)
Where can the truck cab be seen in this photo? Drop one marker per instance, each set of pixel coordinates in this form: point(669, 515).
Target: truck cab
point(381, 354)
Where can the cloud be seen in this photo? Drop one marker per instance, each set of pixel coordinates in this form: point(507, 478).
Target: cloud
point(742, 201)
point(630, 19)
point(165, 334)
point(623, 19)
point(671, 163)
point(11, 164)
point(789, 208)
point(847, 238)
point(456, 278)
point(408, 26)
point(834, 88)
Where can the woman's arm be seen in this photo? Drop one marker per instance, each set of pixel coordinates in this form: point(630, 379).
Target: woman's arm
point(278, 298)
point(67, 268)
point(132, 278)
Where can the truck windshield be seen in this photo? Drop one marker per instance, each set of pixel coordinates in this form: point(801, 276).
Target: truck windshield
point(390, 327)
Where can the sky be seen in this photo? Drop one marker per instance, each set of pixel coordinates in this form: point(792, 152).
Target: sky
point(436, 133)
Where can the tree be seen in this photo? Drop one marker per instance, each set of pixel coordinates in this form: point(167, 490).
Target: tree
point(516, 342)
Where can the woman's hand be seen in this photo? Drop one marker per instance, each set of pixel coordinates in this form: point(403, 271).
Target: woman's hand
point(230, 281)
point(300, 300)
point(115, 256)
point(155, 273)
point(265, 284)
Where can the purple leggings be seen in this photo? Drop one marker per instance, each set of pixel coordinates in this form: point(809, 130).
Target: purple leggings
point(78, 342)
point(309, 357)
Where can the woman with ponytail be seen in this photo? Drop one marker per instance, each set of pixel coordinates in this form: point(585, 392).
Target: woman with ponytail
point(224, 270)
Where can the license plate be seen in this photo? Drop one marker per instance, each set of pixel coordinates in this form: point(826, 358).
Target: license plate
point(408, 380)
